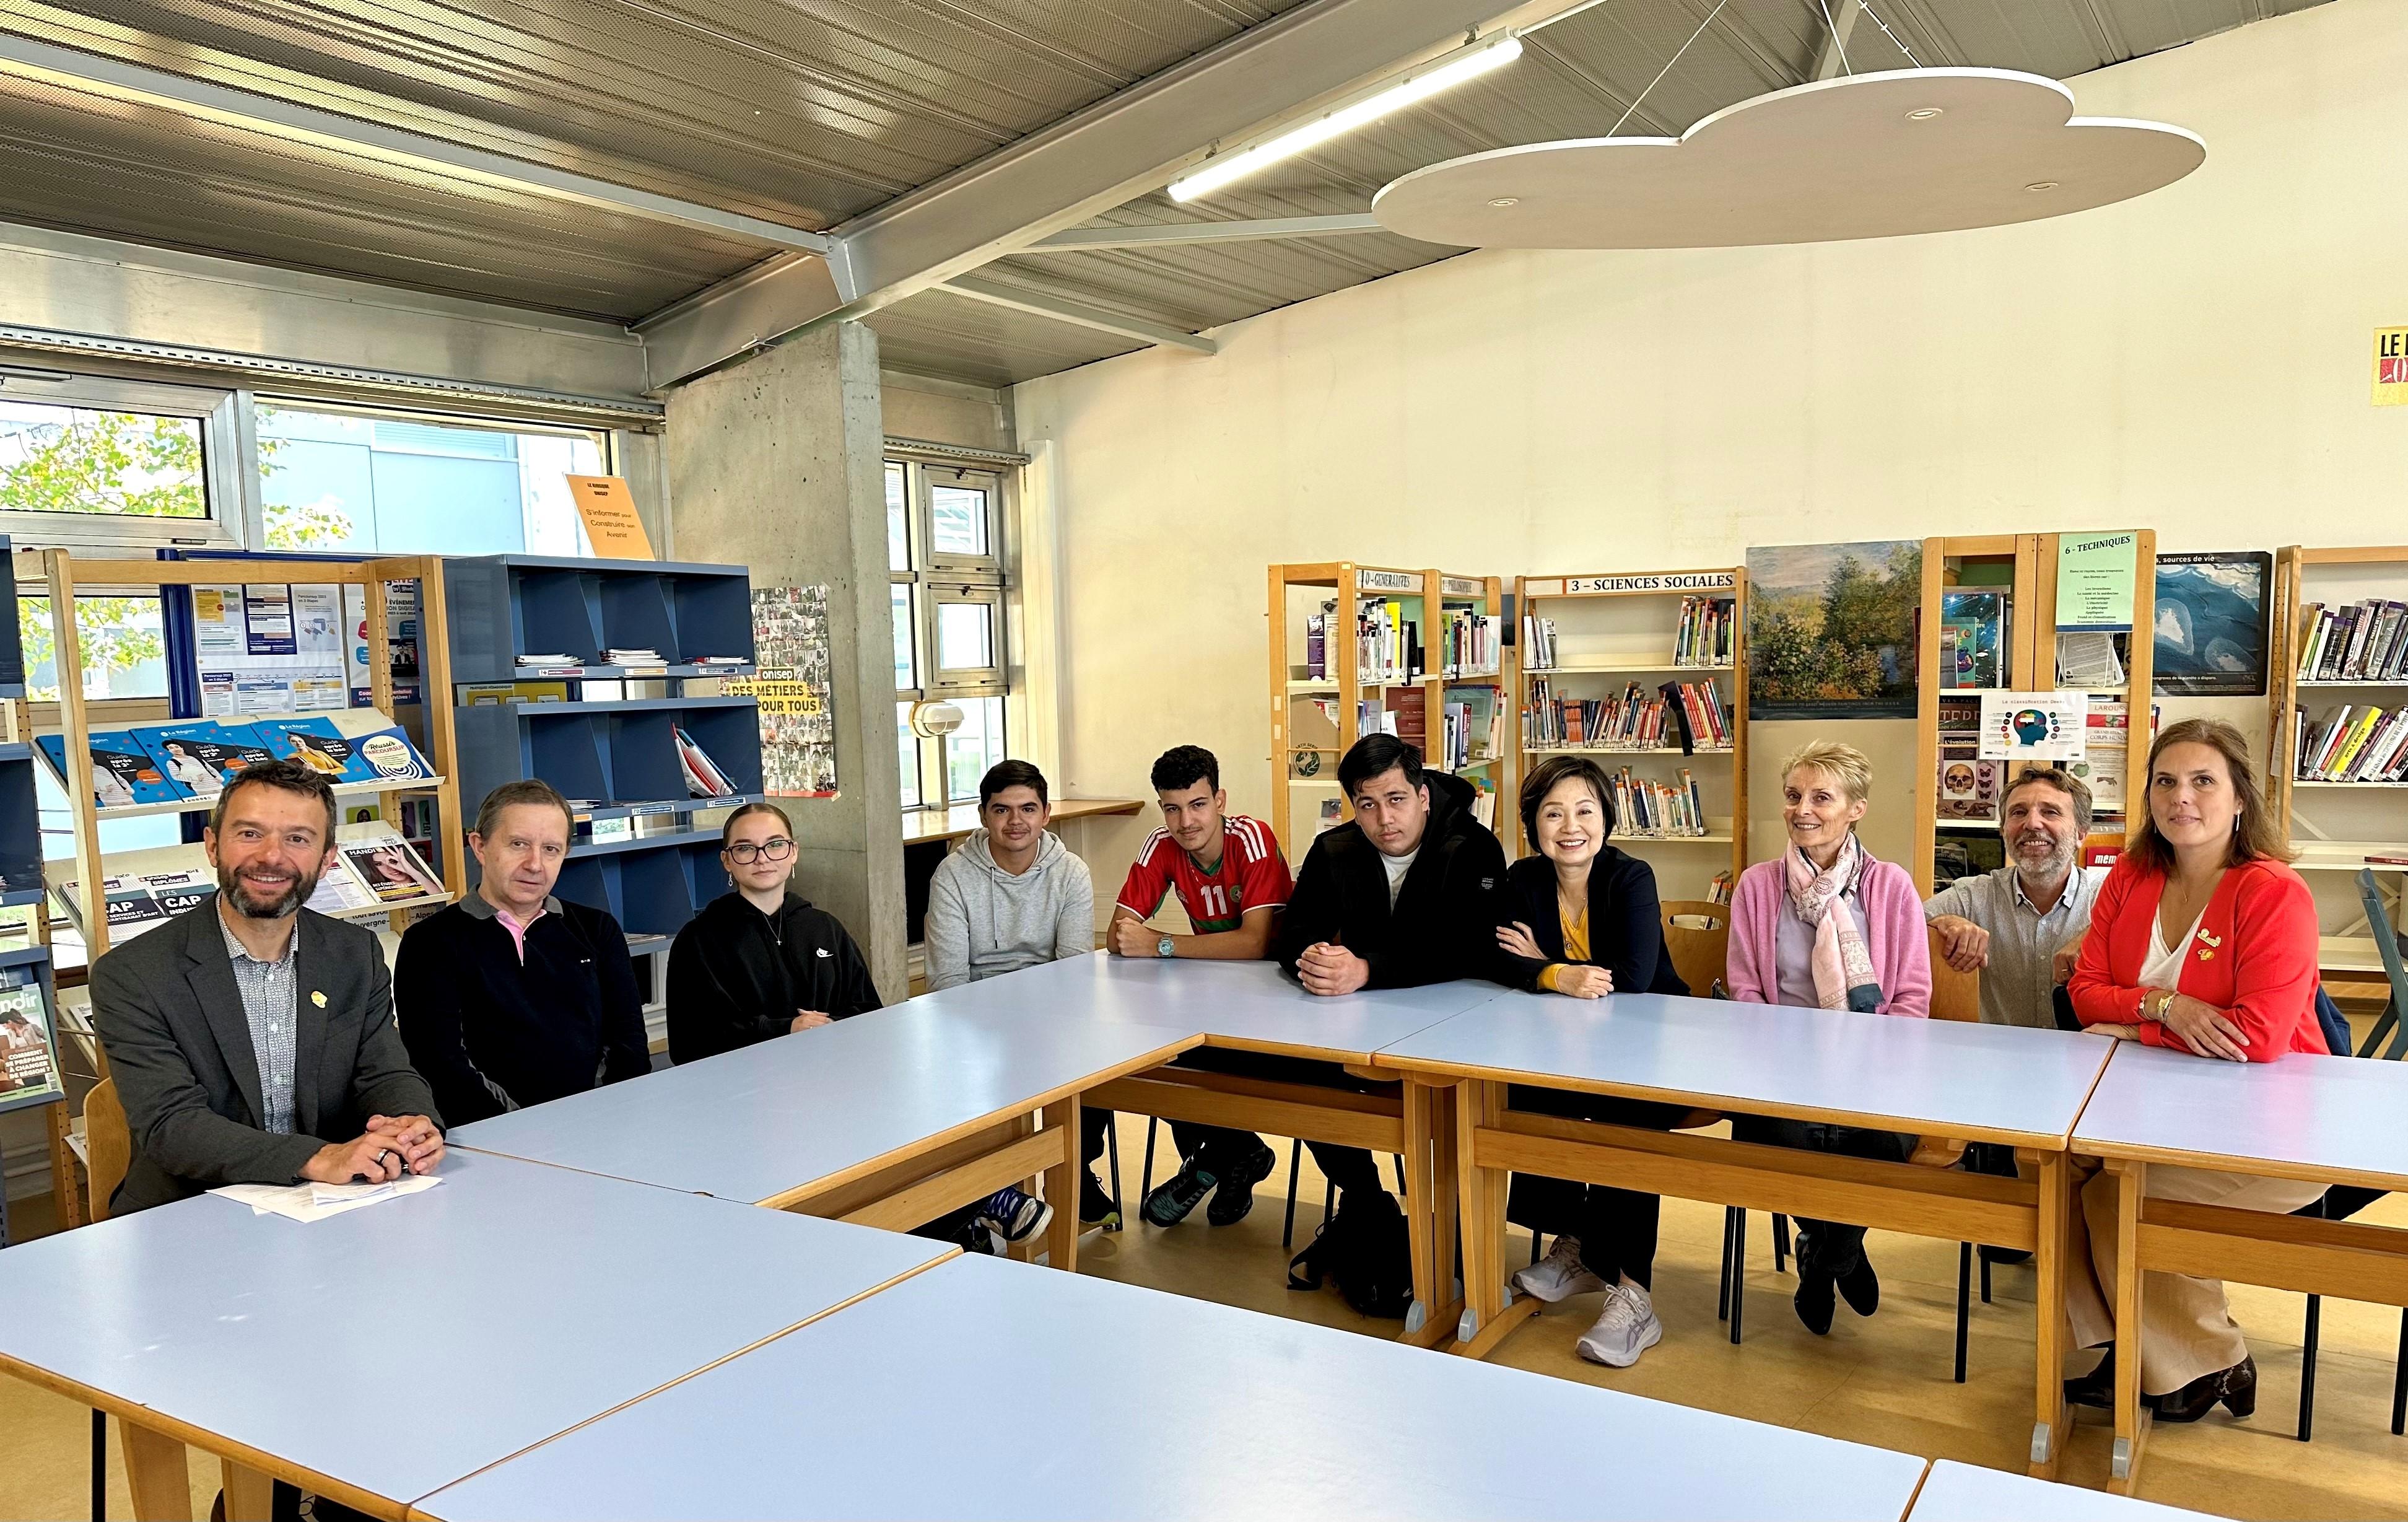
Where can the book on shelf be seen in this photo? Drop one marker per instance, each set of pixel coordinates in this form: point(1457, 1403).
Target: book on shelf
point(2359, 744)
point(1408, 719)
point(122, 772)
point(1316, 647)
point(2361, 641)
point(29, 1059)
point(1975, 626)
point(1468, 644)
point(501, 694)
point(201, 753)
point(703, 777)
point(1703, 637)
point(1719, 890)
point(1968, 786)
point(1652, 808)
point(1537, 643)
point(1473, 718)
point(1387, 645)
point(1685, 716)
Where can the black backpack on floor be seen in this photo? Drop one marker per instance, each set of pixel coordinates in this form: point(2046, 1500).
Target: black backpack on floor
point(1363, 1250)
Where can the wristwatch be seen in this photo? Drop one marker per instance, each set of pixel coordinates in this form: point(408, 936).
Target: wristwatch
point(1162, 947)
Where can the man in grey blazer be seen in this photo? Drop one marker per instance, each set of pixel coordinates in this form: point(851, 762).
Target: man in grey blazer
point(248, 1029)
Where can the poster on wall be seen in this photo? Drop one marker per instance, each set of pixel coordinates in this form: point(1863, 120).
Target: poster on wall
point(1831, 629)
point(2095, 581)
point(2391, 366)
point(283, 649)
point(791, 681)
point(2214, 617)
point(2042, 726)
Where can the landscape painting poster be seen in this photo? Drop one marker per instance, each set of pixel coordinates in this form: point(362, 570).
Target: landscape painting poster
point(2213, 616)
point(1831, 629)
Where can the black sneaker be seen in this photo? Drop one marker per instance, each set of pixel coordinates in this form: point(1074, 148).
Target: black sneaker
point(1236, 1195)
point(1814, 1302)
point(1096, 1210)
point(1175, 1196)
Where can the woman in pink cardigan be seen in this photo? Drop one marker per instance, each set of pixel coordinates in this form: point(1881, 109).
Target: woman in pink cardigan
point(1829, 928)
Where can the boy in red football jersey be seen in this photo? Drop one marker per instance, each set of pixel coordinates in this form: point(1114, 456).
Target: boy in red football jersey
point(1232, 881)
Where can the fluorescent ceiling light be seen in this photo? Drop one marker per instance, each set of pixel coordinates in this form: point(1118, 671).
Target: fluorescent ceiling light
point(1440, 74)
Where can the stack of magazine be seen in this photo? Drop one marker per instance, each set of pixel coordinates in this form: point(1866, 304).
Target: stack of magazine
point(374, 868)
point(193, 759)
point(29, 1067)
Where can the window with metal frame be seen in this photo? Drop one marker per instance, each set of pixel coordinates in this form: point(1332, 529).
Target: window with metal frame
point(944, 534)
point(96, 463)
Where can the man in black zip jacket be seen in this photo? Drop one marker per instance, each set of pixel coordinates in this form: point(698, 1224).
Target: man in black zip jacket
point(510, 997)
point(760, 962)
point(1405, 893)
point(1400, 896)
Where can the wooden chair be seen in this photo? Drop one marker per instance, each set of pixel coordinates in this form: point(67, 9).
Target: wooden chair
point(1697, 934)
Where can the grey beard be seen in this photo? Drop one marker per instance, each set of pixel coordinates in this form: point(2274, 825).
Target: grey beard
point(2043, 873)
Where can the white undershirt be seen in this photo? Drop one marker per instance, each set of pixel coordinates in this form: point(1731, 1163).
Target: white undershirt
point(1397, 866)
point(2163, 969)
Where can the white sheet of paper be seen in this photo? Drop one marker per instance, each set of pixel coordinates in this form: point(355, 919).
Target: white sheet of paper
point(316, 1201)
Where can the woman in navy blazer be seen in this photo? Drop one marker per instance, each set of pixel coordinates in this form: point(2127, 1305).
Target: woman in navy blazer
point(1581, 919)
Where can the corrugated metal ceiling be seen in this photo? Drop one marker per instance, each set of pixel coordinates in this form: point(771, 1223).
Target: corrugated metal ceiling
point(809, 111)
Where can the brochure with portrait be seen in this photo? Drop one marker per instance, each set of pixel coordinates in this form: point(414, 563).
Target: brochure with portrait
point(201, 753)
point(122, 772)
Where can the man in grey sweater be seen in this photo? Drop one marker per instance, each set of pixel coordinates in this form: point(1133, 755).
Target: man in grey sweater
point(1013, 895)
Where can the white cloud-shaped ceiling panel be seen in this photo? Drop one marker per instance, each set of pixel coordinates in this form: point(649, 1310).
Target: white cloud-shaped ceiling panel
point(1875, 155)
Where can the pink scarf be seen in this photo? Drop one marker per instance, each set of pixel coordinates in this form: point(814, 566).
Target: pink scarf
point(1843, 968)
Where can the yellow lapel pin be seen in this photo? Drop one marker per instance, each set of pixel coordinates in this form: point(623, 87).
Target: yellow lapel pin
point(318, 999)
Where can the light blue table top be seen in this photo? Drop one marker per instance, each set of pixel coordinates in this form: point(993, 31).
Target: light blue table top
point(1956, 1492)
point(754, 1123)
point(400, 1347)
point(1251, 1004)
point(985, 1389)
point(1981, 1083)
point(2335, 1118)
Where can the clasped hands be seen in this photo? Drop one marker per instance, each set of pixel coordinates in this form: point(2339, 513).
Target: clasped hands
point(391, 1146)
point(1329, 970)
point(1577, 978)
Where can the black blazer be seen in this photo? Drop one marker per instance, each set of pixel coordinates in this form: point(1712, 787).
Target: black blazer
point(1444, 923)
point(170, 1019)
point(1625, 924)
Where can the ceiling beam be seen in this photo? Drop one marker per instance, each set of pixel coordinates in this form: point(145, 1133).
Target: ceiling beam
point(292, 122)
point(1164, 234)
point(1831, 53)
point(1068, 309)
point(1122, 146)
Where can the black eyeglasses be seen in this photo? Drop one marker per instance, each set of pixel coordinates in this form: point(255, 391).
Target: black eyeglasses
point(777, 848)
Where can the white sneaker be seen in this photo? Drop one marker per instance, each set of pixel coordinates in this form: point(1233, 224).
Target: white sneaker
point(1559, 1276)
point(1628, 1329)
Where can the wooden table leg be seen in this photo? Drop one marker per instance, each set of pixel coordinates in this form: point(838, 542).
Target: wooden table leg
point(1430, 1211)
point(155, 1474)
point(2055, 1173)
point(1062, 1182)
point(1488, 1313)
point(250, 1496)
point(2131, 1421)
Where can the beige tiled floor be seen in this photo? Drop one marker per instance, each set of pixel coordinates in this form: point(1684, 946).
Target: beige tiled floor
point(1883, 1381)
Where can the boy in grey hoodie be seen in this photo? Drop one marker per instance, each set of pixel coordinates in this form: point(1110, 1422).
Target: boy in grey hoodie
point(1013, 895)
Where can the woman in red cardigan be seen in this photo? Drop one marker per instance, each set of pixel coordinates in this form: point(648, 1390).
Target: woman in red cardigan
point(2202, 942)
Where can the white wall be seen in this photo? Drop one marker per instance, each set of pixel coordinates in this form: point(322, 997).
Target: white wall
point(2195, 361)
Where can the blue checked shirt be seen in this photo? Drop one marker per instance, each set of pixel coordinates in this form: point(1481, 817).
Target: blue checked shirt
point(268, 1009)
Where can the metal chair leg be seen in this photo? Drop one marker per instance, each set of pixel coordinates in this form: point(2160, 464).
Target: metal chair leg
point(1112, 1160)
point(1145, 1176)
point(1328, 1200)
point(2308, 1368)
point(1964, 1301)
point(1722, 1289)
point(100, 1465)
point(1534, 1249)
point(1294, 1169)
point(1985, 1280)
point(1738, 1271)
point(1781, 1253)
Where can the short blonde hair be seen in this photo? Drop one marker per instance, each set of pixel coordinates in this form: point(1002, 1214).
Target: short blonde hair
point(1844, 762)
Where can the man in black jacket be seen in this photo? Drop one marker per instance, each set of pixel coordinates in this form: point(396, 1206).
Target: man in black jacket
point(1404, 894)
point(510, 997)
point(1400, 896)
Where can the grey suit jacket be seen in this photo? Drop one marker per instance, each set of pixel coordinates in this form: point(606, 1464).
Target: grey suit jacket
point(170, 1016)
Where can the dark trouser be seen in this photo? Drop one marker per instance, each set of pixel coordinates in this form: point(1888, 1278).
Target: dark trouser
point(1093, 1123)
point(1616, 1227)
point(1826, 1249)
point(1349, 1168)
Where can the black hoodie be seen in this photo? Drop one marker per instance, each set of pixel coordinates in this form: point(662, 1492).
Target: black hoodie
point(1444, 923)
point(738, 976)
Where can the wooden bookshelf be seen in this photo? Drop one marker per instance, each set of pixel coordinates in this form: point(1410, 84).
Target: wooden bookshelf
point(2335, 825)
point(2024, 565)
point(1614, 628)
point(1316, 717)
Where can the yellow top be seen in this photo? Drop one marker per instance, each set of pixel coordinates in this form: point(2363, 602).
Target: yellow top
point(1575, 949)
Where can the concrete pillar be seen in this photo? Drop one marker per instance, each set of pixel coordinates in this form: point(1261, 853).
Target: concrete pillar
point(778, 464)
